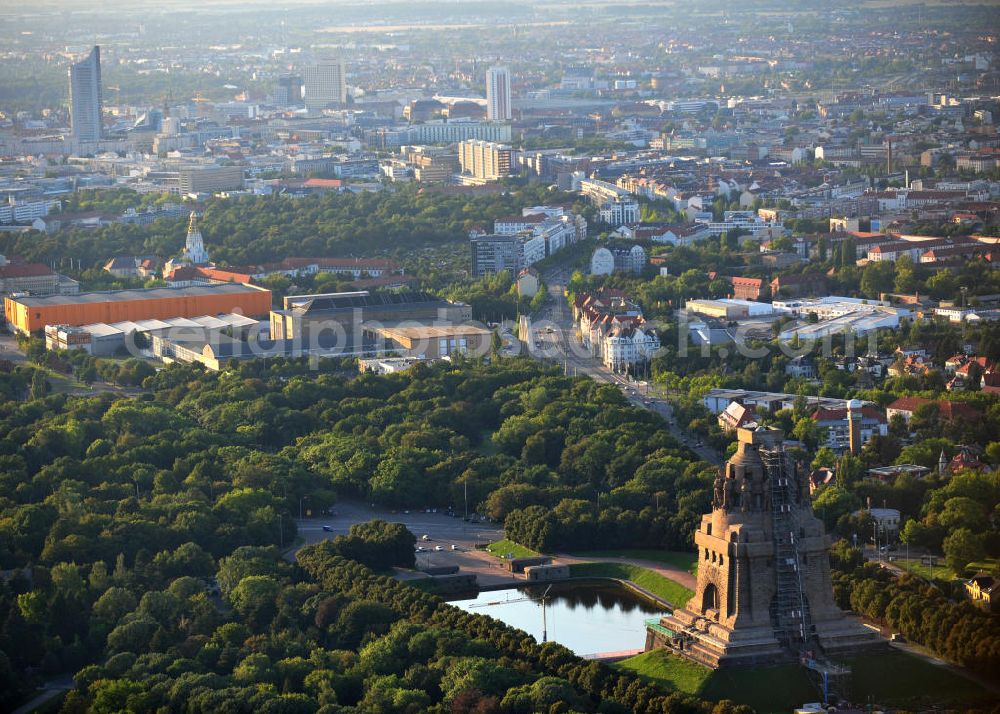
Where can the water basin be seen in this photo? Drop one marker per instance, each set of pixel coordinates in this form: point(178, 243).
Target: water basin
point(587, 619)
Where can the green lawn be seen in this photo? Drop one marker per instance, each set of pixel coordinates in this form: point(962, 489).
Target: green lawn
point(655, 583)
point(684, 561)
point(672, 672)
point(502, 547)
point(990, 565)
point(908, 682)
point(893, 679)
point(931, 572)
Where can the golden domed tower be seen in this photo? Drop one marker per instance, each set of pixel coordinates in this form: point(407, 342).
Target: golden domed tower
point(764, 589)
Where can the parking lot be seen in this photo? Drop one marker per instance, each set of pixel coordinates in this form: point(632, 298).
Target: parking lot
point(443, 532)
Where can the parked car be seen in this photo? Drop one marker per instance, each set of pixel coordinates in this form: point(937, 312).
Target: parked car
point(328, 529)
point(454, 547)
point(439, 547)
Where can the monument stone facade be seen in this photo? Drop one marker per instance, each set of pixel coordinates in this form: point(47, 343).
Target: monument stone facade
point(763, 592)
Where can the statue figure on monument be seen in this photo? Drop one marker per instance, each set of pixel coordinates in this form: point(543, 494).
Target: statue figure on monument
point(729, 494)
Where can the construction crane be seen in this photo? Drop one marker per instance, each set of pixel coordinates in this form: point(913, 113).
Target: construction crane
point(544, 600)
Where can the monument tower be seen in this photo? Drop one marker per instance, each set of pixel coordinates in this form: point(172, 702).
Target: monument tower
point(764, 591)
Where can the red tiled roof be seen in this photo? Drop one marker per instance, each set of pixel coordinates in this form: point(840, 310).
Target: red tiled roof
point(322, 183)
point(225, 275)
point(947, 409)
point(24, 270)
point(823, 414)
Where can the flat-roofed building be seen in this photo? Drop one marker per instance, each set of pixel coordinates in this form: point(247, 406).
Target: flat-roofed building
point(485, 159)
point(32, 314)
point(429, 341)
point(343, 314)
point(210, 179)
point(719, 309)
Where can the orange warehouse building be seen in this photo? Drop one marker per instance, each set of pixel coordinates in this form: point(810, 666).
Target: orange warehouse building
point(32, 314)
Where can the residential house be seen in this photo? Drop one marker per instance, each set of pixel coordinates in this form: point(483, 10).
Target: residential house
point(735, 416)
point(982, 589)
point(796, 285)
point(947, 410)
point(822, 476)
point(747, 288)
point(799, 366)
point(528, 281)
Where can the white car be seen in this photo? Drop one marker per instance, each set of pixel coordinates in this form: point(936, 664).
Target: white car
point(439, 547)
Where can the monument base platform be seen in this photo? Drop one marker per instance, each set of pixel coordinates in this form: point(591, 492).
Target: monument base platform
point(713, 645)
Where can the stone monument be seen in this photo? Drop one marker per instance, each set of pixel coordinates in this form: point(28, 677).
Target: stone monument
point(763, 592)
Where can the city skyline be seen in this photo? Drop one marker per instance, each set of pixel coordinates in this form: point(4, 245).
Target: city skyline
point(85, 91)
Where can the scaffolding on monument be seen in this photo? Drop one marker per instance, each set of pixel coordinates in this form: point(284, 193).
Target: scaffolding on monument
point(791, 610)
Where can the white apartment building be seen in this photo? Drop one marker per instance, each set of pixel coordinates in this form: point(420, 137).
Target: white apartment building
point(485, 159)
point(325, 84)
point(627, 345)
point(498, 105)
point(25, 211)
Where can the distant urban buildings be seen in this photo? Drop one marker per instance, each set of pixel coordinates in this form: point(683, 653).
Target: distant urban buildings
point(485, 160)
point(33, 314)
point(614, 330)
point(209, 179)
point(606, 261)
point(616, 206)
point(19, 276)
point(85, 98)
point(498, 106)
point(325, 84)
point(518, 242)
point(495, 253)
point(288, 91)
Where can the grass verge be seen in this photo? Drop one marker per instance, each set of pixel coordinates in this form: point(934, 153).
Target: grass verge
point(504, 547)
point(655, 583)
point(684, 561)
point(931, 572)
point(894, 679)
point(670, 671)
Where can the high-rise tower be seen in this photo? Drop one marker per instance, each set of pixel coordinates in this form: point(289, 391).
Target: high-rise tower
point(325, 84)
point(85, 97)
point(498, 94)
point(764, 589)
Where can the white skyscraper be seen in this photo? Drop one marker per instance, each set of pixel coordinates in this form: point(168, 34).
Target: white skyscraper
point(325, 84)
point(498, 94)
point(85, 97)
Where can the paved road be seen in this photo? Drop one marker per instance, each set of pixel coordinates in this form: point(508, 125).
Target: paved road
point(9, 349)
point(50, 690)
point(442, 529)
point(555, 340)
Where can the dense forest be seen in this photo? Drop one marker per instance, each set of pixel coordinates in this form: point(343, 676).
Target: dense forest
point(333, 636)
point(136, 528)
point(254, 229)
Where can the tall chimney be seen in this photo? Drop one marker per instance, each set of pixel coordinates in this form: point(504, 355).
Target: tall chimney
point(854, 424)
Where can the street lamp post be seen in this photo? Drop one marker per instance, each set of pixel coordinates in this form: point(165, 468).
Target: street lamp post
point(301, 499)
